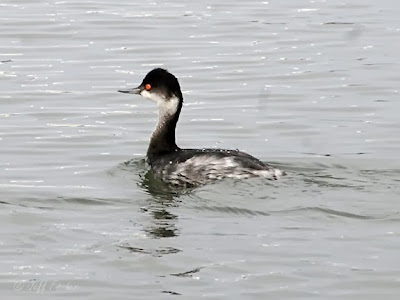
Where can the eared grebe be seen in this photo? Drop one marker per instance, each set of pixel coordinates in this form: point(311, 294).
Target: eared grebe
point(189, 167)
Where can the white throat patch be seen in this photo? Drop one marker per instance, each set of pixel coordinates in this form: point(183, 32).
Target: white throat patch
point(166, 107)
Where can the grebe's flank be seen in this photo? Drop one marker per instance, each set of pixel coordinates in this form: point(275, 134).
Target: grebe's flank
point(189, 167)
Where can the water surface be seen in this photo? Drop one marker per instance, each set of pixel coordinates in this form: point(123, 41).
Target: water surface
point(308, 86)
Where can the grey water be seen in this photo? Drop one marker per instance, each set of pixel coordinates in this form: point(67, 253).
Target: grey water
point(311, 87)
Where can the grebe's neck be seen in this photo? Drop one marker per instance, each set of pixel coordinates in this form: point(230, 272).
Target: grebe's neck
point(163, 137)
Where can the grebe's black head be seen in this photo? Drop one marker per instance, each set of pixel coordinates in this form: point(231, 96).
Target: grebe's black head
point(159, 85)
point(162, 87)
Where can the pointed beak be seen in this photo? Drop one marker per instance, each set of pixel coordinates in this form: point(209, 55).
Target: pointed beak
point(131, 91)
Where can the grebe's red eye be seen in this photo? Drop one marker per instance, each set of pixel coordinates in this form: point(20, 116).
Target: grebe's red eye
point(147, 87)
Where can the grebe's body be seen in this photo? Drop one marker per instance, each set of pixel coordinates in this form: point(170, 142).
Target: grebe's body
point(189, 167)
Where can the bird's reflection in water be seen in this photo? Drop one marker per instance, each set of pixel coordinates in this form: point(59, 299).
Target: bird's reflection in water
point(163, 198)
point(163, 222)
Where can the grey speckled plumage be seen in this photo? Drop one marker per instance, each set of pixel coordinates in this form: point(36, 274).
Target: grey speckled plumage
point(196, 167)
